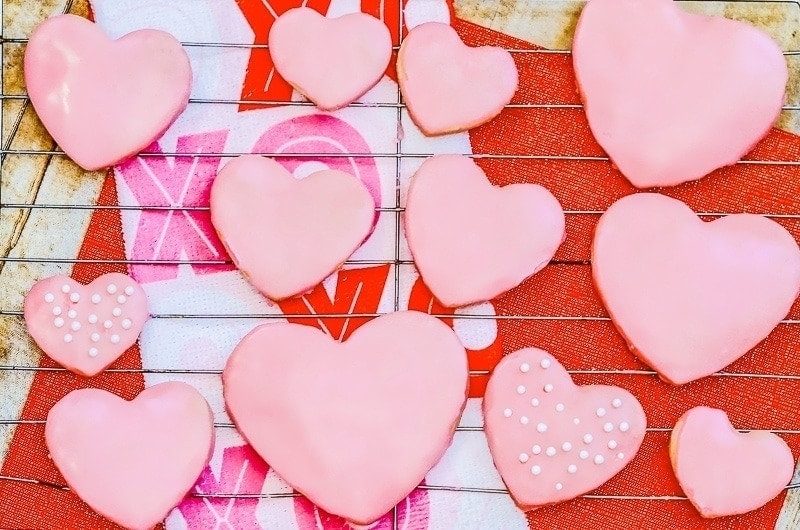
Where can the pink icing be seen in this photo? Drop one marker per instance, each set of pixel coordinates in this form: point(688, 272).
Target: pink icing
point(332, 61)
point(449, 86)
point(670, 95)
point(73, 74)
point(725, 472)
point(691, 297)
point(551, 440)
point(131, 461)
point(453, 218)
point(287, 235)
point(332, 418)
point(85, 328)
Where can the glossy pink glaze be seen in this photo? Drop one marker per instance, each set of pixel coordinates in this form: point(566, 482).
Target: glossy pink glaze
point(102, 100)
point(671, 95)
point(287, 235)
point(543, 454)
point(725, 472)
point(472, 241)
point(354, 426)
point(448, 86)
point(689, 296)
point(131, 461)
point(332, 61)
point(85, 328)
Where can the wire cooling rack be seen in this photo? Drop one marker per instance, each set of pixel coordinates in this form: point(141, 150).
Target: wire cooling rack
point(395, 210)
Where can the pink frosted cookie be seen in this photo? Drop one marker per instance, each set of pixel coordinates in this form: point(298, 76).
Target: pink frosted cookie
point(725, 472)
point(448, 86)
point(354, 426)
point(552, 440)
point(85, 328)
point(287, 235)
point(472, 241)
point(103, 100)
point(691, 297)
point(131, 461)
point(670, 95)
point(332, 61)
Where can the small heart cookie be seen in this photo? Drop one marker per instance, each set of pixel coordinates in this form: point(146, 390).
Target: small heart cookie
point(354, 426)
point(448, 86)
point(103, 100)
point(131, 461)
point(453, 218)
point(691, 297)
point(85, 328)
point(671, 95)
point(551, 440)
point(725, 472)
point(332, 61)
point(287, 235)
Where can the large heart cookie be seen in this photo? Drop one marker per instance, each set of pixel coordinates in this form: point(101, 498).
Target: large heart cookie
point(671, 95)
point(448, 86)
point(103, 100)
point(287, 235)
point(552, 440)
point(332, 61)
point(725, 472)
point(131, 461)
point(472, 241)
point(691, 297)
point(354, 426)
point(85, 328)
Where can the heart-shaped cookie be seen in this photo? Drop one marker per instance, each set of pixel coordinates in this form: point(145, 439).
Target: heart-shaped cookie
point(725, 472)
point(332, 61)
point(354, 426)
point(131, 461)
point(103, 100)
point(551, 440)
point(287, 235)
point(472, 241)
point(85, 328)
point(448, 86)
point(691, 297)
point(672, 95)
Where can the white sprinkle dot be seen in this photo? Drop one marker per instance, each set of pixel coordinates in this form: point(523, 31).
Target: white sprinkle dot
point(75, 297)
point(57, 310)
point(537, 449)
point(126, 324)
point(67, 338)
point(616, 403)
point(535, 402)
point(58, 322)
point(65, 288)
point(524, 368)
point(523, 420)
point(111, 289)
point(601, 412)
point(598, 459)
point(523, 457)
point(584, 454)
point(587, 438)
point(612, 444)
point(624, 426)
point(107, 324)
point(576, 421)
point(49, 298)
point(608, 427)
point(521, 389)
point(542, 427)
point(559, 486)
point(572, 468)
point(559, 407)
point(121, 299)
point(95, 337)
point(620, 456)
point(114, 339)
point(96, 298)
point(507, 413)
point(536, 470)
point(548, 387)
point(116, 312)
point(129, 290)
point(566, 447)
point(545, 363)
point(550, 451)
point(93, 352)
point(75, 325)
point(92, 319)
point(72, 313)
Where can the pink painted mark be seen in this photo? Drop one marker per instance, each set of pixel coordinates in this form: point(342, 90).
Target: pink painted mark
point(413, 513)
point(183, 181)
point(243, 471)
